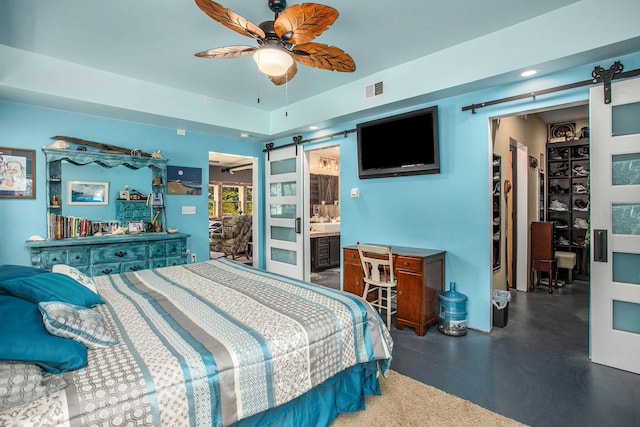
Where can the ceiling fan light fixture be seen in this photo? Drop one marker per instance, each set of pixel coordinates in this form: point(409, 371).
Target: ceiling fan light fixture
point(272, 60)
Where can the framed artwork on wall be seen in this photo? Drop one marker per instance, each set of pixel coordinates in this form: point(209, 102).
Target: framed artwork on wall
point(17, 173)
point(87, 193)
point(184, 180)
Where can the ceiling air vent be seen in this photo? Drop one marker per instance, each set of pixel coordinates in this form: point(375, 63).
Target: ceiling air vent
point(371, 91)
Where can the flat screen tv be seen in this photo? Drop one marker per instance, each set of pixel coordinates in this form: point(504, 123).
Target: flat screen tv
point(404, 144)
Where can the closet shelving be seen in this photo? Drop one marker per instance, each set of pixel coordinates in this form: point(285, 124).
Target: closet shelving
point(568, 194)
point(497, 217)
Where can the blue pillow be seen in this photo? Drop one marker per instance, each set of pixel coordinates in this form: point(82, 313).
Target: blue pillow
point(50, 287)
point(23, 338)
point(8, 271)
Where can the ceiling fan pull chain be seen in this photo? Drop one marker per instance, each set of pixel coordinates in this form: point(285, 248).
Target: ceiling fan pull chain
point(259, 86)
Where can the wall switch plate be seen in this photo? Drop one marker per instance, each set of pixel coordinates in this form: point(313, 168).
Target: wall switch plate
point(193, 258)
point(355, 193)
point(188, 210)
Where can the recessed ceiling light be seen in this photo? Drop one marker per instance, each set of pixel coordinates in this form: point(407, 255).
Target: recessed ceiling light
point(313, 127)
point(528, 73)
point(244, 135)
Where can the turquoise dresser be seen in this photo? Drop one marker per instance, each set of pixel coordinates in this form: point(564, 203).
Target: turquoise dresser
point(108, 254)
point(96, 256)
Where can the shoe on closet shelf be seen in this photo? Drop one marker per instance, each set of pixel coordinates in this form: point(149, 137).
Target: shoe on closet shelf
point(582, 152)
point(579, 188)
point(556, 189)
point(580, 205)
point(580, 171)
point(581, 223)
point(562, 241)
point(561, 224)
point(556, 205)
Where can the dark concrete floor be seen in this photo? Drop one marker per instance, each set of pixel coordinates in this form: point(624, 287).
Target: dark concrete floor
point(535, 370)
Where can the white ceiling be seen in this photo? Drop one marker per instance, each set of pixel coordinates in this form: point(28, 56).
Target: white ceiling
point(155, 40)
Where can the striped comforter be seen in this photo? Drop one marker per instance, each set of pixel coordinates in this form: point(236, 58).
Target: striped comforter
point(212, 343)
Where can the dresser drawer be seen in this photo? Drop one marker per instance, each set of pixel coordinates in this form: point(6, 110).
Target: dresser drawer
point(118, 253)
point(158, 262)
point(102, 269)
point(175, 261)
point(132, 266)
point(157, 250)
point(78, 257)
point(51, 258)
point(175, 248)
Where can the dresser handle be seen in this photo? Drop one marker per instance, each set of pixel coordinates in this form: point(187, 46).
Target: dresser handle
point(107, 271)
point(135, 268)
point(400, 293)
point(120, 254)
point(77, 256)
point(55, 259)
point(406, 264)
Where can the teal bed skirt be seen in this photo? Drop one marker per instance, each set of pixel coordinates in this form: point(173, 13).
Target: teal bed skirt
point(342, 393)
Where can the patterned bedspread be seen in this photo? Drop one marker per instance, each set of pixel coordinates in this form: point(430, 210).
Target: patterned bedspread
point(212, 343)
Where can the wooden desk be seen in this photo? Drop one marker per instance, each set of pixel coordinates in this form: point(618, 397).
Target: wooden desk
point(420, 275)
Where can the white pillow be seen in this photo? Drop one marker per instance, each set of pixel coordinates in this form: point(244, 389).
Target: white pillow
point(81, 324)
point(76, 275)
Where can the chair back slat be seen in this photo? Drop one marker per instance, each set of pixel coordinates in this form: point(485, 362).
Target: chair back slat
point(377, 263)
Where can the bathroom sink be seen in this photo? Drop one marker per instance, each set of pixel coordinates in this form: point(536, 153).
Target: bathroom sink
point(325, 227)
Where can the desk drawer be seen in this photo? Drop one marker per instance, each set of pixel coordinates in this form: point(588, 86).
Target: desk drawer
point(409, 263)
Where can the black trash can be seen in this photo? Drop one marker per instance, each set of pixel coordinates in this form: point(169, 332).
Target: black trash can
point(500, 301)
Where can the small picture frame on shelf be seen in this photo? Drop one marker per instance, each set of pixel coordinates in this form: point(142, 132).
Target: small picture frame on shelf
point(136, 227)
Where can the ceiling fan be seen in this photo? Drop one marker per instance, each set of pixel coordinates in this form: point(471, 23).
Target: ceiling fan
point(283, 41)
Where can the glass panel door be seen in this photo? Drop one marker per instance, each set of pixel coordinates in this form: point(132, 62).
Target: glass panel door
point(285, 243)
point(615, 226)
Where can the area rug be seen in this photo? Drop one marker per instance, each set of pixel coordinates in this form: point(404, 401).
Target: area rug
point(407, 402)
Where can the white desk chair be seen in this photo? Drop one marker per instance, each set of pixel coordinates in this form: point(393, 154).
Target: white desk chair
point(377, 265)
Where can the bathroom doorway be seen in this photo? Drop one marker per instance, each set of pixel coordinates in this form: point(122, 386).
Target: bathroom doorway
point(324, 216)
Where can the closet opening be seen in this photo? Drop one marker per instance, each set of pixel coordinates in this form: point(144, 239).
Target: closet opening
point(549, 183)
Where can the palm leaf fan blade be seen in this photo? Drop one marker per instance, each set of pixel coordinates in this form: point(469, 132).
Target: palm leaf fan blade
point(324, 57)
point(230, 19)
point(304, 22)
point(228, 52)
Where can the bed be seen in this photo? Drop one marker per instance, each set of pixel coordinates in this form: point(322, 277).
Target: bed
point(213, 343)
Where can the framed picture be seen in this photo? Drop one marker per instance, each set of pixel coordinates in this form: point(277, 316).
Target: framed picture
point(87, 193)
point(136, 227)
point(17, 173)
point(184, 180)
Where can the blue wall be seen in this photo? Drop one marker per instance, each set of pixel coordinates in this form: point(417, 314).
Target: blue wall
point(28, 127)
point(448, 211)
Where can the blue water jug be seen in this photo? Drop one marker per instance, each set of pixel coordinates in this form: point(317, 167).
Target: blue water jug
point(452, 319)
